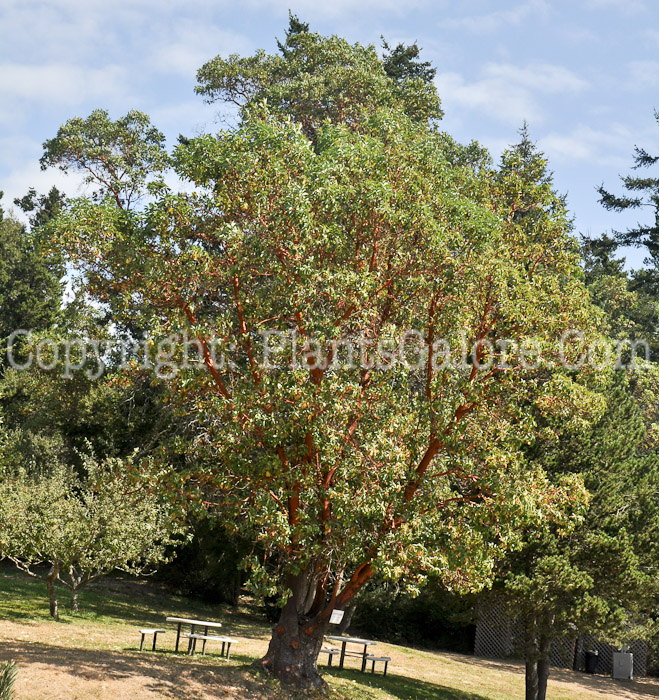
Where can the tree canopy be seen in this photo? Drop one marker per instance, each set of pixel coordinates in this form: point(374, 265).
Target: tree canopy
point(598, 577)
point(118, 156)
point(315, 78)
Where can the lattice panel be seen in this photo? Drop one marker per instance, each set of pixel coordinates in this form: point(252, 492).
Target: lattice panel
point(562, 653)
point(498, 637)
point(494, 632)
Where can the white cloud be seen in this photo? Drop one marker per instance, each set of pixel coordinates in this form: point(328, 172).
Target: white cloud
point(643, 74)
point(626, 6)
point(492, 21)
point(140, 34)
point(652, 35)
point(609, 147)
point(57, 31)
point(191, 118)
point(15, 149)
point(503, 102)
point(18, 181)
point(183, 47)
point(310, 9)
point(541, 77)
point(305, 8)
point(507, 92)
point(579, 35)
point(61, 83)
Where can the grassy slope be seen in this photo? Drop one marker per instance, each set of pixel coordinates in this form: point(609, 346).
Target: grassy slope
point(95, 655)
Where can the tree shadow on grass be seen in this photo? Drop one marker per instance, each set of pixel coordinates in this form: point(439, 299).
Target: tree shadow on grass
point(625, 690)
point(178, 676)
point(605, 685)
point(165, 673)
point(401, 686)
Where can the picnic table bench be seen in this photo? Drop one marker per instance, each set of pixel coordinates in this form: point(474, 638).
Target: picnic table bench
point(154, 632)
point(375, 659)
point(331, 653)
point(226, 643)
point(345, 651)
point(205, 624)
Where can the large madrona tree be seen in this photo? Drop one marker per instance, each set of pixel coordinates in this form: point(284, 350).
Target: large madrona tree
point(335, 219)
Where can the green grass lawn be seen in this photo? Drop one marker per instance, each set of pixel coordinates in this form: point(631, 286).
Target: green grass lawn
point(110, 600)
point(94, 654)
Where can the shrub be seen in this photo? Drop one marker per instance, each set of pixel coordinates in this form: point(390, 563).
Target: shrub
point(436, 618)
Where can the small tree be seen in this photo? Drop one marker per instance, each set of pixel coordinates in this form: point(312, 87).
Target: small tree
point(600, 577)
point(84, 528)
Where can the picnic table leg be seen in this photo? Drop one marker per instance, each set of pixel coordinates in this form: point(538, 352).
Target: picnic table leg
point(386, 663)
point(178, 635)
point(228, 650)
point(343, 654)
point(142, 642)
point(203, 648)
point(222, 652)
point(191, 646)
point(364, 658)
point(153, 648)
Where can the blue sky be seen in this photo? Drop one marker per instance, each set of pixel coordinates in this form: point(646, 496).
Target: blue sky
point(583, 74)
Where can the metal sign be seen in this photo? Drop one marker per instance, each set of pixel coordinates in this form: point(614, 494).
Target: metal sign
point(336, 617)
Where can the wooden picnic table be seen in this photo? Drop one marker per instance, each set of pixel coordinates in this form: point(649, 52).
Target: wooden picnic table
point(347, 652)
point(206, 624)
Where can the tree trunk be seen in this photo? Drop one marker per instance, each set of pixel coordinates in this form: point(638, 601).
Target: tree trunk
point(347, 618)
point(296, 641)
point(52, 595)
point(74, 599)
point(544, 649)
point(537, 648)
point(543, 675)
point(532, 681)
point(531, 658)
point(75, 583)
